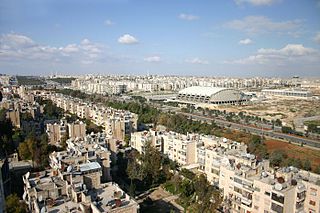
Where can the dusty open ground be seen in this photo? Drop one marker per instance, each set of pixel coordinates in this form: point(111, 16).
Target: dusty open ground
point(295, 151)
point(163, 202)
point(285, 109)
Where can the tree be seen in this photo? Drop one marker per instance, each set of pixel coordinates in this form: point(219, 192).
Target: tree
point(200, 186)
point(278, 122)
point(176, 180)
point(133, 171)
point(307, 165)
point(257, 147)
point(6, 145)
point(151, 163)
point(287, 130)
point(127, 139)
point(277, 157)
point(24, 152)
point(208, 198)
point(13, 205)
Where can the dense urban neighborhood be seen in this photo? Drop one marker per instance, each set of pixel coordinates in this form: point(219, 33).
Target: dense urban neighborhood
point(83, 151)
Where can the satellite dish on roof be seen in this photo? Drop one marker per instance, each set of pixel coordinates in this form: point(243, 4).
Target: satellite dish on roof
point(43, 210)
point(264, 174)
point(28, 175)
point(69, 169)
point(278, 186)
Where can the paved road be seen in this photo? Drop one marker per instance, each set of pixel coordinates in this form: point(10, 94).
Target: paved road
point(255, 130)
point(250, 129)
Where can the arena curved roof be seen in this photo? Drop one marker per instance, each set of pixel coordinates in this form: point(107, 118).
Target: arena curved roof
point(202, 91)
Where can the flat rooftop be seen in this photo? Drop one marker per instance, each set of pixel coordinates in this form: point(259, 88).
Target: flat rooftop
point(89, 166)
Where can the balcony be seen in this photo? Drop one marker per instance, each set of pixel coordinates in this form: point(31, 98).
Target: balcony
point(246, 201)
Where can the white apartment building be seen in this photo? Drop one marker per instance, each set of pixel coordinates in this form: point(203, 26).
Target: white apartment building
point(109, 84)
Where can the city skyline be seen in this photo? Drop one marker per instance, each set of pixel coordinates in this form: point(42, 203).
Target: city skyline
point(235, 38)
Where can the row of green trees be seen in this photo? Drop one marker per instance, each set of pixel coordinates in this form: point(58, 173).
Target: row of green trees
point(147, 114)
point(30, 80)
point(63, 80)
point(37, 149)
point(180, 123)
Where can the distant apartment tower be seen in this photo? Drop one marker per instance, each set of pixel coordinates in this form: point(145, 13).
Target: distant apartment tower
point(118, 127)
point(139, 140)
point(77, 129)
point(56, 131)
point(14, 116)
point(119, 89)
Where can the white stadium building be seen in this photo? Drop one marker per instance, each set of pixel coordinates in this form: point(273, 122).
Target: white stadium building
point(212, 95)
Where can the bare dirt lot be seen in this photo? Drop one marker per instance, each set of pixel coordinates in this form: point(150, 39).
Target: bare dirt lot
point(161, 201)
point(295, 151)
point(285, 109)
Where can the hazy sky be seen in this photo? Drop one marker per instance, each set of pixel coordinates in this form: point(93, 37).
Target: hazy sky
point(183, 37)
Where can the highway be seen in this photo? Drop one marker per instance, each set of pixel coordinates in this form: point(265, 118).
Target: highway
point(250, 129)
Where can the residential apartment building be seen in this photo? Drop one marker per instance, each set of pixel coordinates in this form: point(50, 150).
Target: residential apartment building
point(139, 140)
point(14, 116)
point(153, 83)
point(56, 131)
point(77, 129)
point(117, 123)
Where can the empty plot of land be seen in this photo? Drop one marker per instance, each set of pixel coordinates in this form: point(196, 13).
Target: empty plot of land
point(162, 202)
point(295, 151)
point(285, 109)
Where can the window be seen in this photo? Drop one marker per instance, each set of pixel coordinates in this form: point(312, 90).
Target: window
point(237, 180)
point(313, 191)
point(267, 193)
point(277, 208)
point(278, 198)
point(312, 203)
point(236, 189)
point(257, 189)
